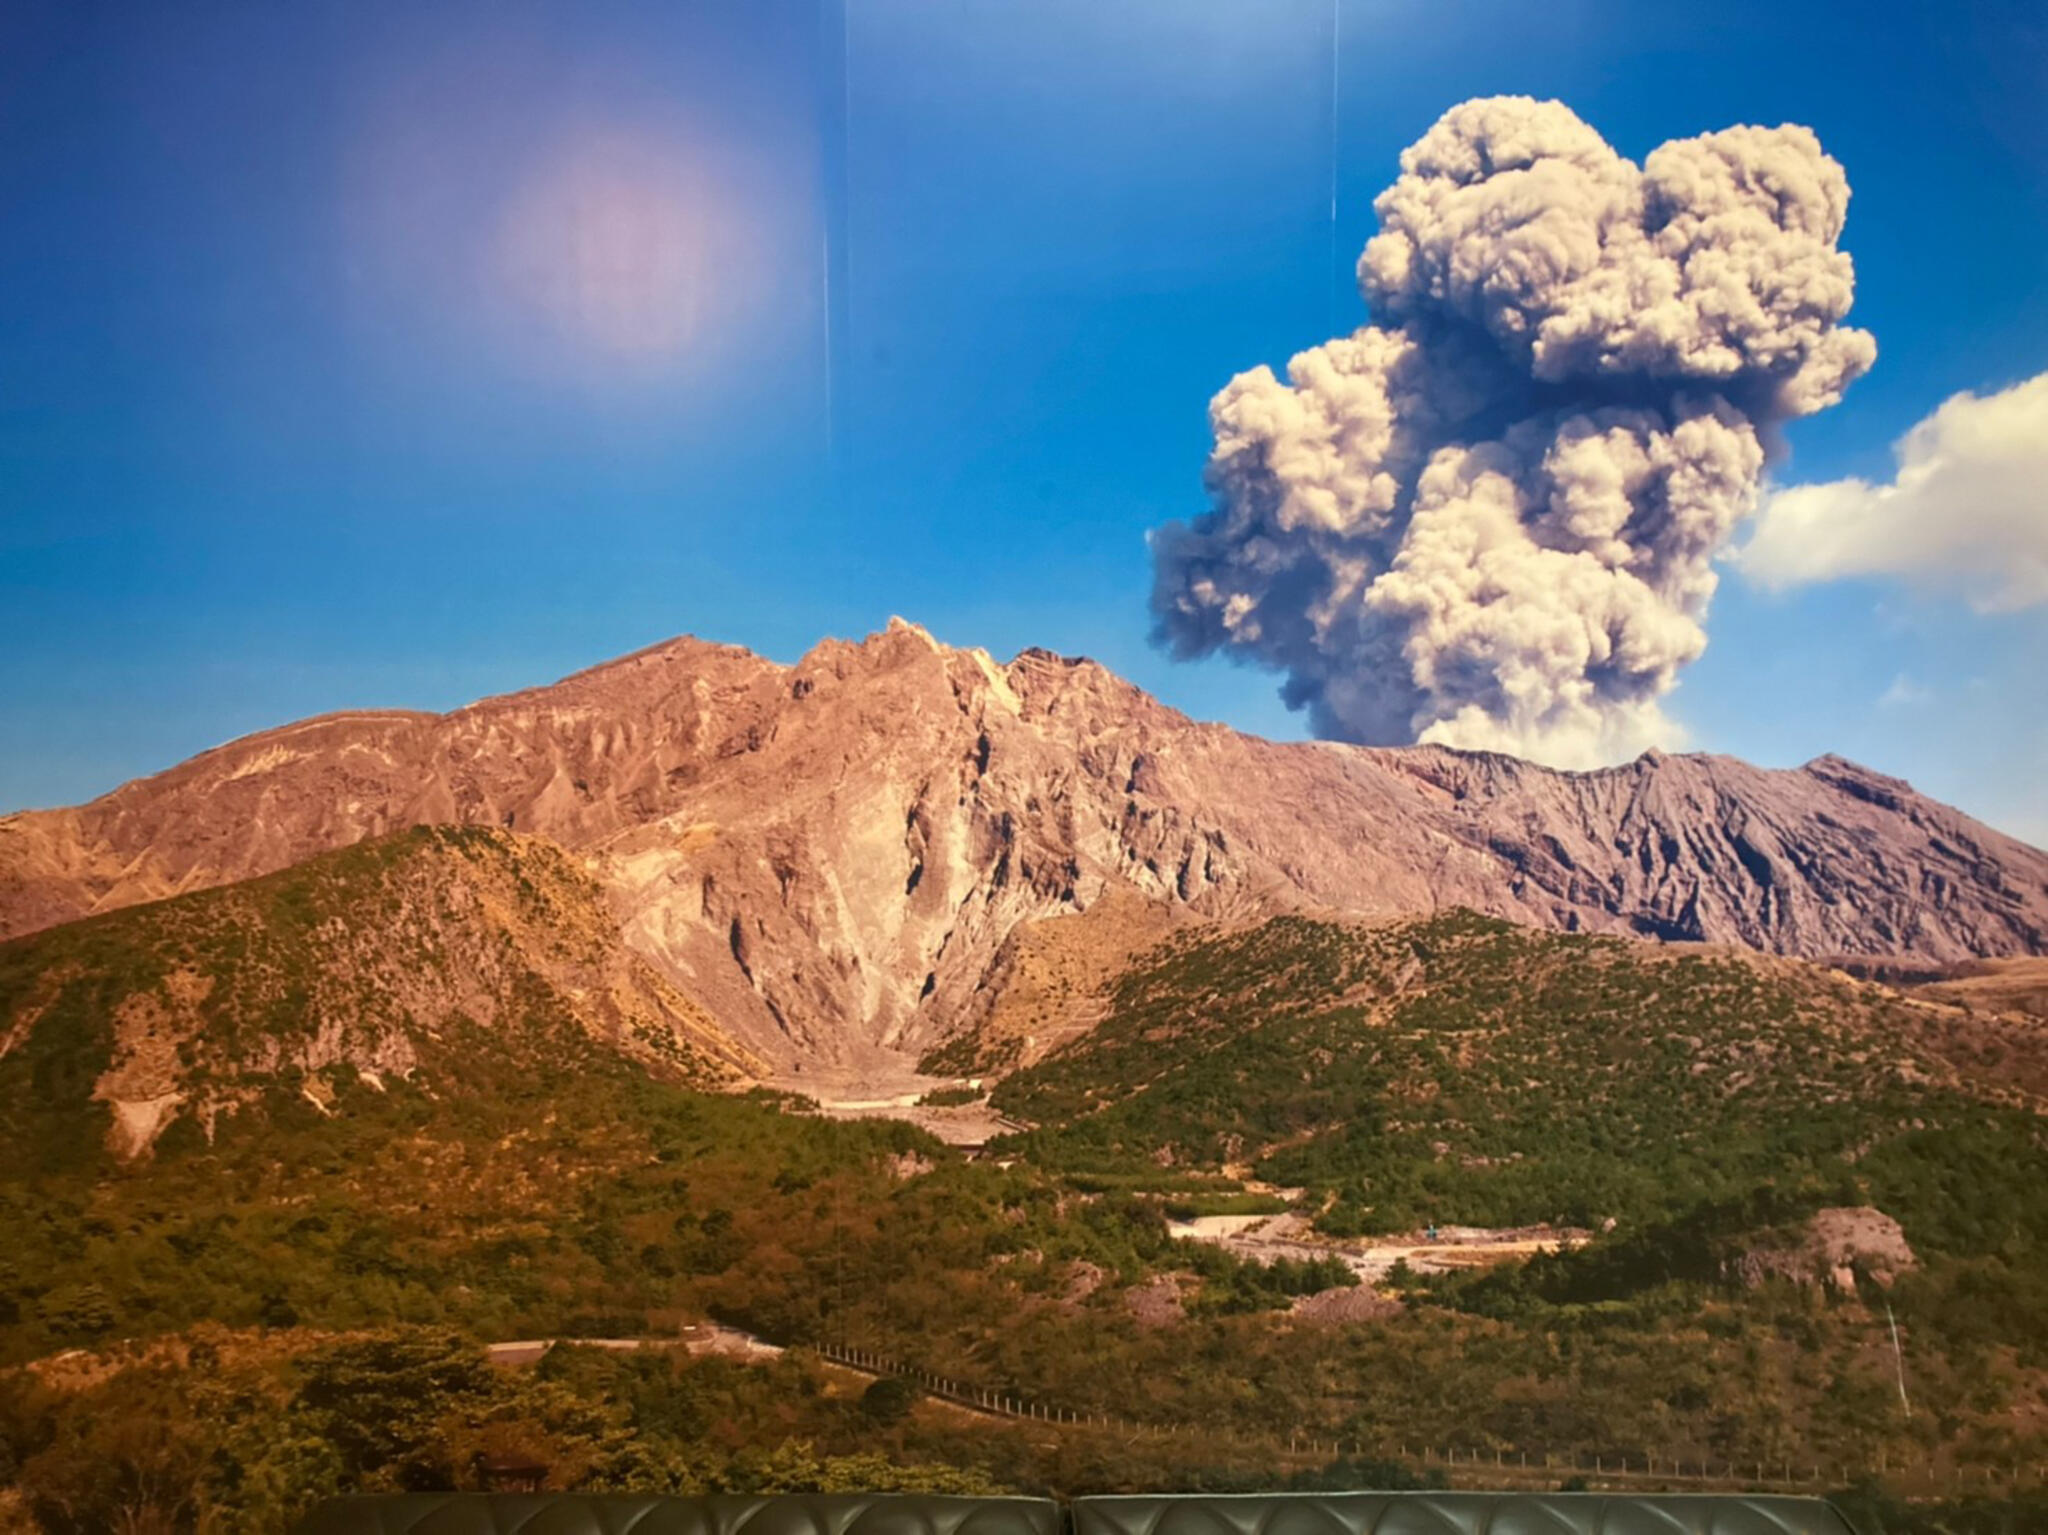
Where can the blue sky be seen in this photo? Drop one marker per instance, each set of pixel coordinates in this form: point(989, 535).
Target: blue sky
point(331, 376)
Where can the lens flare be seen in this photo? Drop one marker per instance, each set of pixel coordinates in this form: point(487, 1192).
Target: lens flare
point(621, 249)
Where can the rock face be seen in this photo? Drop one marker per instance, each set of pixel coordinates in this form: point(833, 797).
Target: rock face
point(829, 856)
point(1831, 1248)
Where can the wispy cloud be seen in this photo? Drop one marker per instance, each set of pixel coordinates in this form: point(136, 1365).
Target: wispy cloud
point(1904, 692)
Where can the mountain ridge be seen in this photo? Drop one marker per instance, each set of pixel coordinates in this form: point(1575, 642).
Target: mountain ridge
point(829, 855)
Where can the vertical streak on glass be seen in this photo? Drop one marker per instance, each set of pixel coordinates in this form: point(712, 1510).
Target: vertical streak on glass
point(1336, 57)
point(825, 284)
point(834, 131)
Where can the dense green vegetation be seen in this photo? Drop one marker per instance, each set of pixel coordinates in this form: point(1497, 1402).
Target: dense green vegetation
point(235, 1433)
point(1463, 1070)
point(235, 1436)
point(518, 1179)
point(383, 951)
point(333, 1237)
point(589, 1201)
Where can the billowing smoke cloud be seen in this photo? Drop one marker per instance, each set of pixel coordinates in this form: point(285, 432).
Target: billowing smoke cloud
point(1489, 518)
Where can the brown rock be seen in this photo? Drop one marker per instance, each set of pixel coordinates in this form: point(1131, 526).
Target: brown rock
point(1348, 1303)
point(831, 856)
point(1831, 1248)
point(1157, 1302)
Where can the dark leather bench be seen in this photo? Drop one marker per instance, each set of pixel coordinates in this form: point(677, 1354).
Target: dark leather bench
point(1361, 1513)
point(1458, 1513)
point(571, 1513)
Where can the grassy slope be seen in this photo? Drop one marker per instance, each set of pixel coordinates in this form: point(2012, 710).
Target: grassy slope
point(420, 1080)
point(1458, 1069)
point(391, 955)
point(531, 1179)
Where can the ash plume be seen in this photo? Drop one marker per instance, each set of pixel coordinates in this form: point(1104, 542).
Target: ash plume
point(1489, 518)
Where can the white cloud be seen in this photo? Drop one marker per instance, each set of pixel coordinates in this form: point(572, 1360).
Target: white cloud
point(1967, 512)
point(1904, 691)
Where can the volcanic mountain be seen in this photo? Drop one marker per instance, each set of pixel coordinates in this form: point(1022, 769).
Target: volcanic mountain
point(841, 858)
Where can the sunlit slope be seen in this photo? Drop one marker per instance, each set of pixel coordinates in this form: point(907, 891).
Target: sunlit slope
point(525, 1173)
point(833, 857)
point(439, 958)
point(1460, 1069)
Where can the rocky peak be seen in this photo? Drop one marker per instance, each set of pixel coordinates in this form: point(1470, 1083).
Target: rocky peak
point(830, 855)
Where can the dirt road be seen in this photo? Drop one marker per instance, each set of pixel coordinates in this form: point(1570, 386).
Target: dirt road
point(702, 1338)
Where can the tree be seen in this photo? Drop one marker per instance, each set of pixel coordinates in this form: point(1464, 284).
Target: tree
point(77, 1313)
point(130, 1462)
point(381, 1400)
point(889, 1400)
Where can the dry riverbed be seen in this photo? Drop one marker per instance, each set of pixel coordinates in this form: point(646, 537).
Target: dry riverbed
point(1267, 1237)
point(891, 1089)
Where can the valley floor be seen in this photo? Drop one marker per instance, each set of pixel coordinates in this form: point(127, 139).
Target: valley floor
point(893, 1088)
point(1264, 1238)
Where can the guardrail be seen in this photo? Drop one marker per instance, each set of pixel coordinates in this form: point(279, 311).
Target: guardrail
point(1469, 1465)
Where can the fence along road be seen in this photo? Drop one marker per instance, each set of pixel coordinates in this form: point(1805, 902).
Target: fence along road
point(1471, 1468)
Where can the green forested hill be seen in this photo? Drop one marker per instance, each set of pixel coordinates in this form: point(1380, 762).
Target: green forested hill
point(420, 1080)
point(417, 1084)
point(448, 957)
point(1459, 1069)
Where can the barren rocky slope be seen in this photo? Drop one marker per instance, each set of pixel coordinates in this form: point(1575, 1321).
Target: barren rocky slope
point(829, 856)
